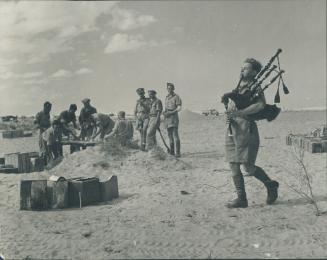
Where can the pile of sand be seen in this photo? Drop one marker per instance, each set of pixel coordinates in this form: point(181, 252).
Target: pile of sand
point(187, 115)
point(103, 160)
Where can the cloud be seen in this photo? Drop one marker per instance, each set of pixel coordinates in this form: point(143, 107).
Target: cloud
point(40, 29)
point(28, 75)
point(83, 71)
point(61, 74)
point(36, 82)
point(125, 19)
point(124, 42)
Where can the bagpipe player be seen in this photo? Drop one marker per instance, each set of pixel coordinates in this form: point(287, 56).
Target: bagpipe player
point(242, 145)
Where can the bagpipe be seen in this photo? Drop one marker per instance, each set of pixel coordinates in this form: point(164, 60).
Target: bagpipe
point(250, 96)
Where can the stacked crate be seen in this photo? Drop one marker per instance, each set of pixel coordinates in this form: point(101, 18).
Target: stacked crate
point(13, 134)
point(58, 193)
point(310, 144)
point(22, 163)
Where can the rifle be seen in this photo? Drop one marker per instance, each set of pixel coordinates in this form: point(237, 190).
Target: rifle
point(163, 140)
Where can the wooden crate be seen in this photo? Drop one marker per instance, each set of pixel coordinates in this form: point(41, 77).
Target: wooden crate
point(109, 188)
point(21, 161)
point(8, 169)
point(83, 190)
point(33, 195)
point(324, 146)
point(27, 134)
point(7, 134)
point(37, 164)
point(57, 193)
point(310, 144)
point(13, 133)
point(17, 133)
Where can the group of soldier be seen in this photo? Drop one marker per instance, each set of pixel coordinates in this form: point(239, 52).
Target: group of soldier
point(241, 147)
point(94, 125)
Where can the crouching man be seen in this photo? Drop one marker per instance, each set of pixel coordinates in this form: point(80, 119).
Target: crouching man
point(104, 125)
point(122, 131)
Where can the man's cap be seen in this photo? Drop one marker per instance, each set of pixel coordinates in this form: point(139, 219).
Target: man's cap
point(73, 107)
point(140, 90)
point(47, 104)
point(152, 91)
point(86, 100)
point(121, 113)
point(170, 84)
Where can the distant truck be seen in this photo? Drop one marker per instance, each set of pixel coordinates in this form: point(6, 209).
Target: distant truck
point(212, 112)
point(9, 118)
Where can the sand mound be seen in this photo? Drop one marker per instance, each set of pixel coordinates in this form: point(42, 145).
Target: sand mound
point(187, 115)
point(98, 161)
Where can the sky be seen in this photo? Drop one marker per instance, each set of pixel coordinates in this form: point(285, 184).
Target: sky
point(62, 51)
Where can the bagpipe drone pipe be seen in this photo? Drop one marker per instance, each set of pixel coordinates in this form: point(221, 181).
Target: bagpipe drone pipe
point(249, 97)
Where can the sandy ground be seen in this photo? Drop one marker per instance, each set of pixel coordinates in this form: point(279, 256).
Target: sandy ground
point(153, 219)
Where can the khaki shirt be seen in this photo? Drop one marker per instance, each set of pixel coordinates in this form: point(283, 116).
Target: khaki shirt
point(123, 129)
point(172, 102)
point(104, 121)
point(142, 107)
point(156, 106)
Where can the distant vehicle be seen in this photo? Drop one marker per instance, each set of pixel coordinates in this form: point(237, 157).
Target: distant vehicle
point(212, 112)
point(9, 118)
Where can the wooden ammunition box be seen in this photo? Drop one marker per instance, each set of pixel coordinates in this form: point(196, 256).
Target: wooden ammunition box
point(7, 134)
point(109, 188)
point(84, 191)
point(8, 169)
point(33, 195)
point(19, 160)
point(57, 194)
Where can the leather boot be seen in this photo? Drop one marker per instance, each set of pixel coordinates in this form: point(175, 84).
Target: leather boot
point(172, 149)
point(178, 149)
point(142, 147)
point(272, 186)
point(272, 191)
point(241, 200)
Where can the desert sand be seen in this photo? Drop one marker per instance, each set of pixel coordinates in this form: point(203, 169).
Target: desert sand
point(152, 218)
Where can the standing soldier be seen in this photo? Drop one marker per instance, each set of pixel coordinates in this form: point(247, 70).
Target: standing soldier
point(243, 145)
point(85, 119)
point(141, 113)
point(52, 140)
point(173, 104)
point(42, 120)
point(154, 119)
